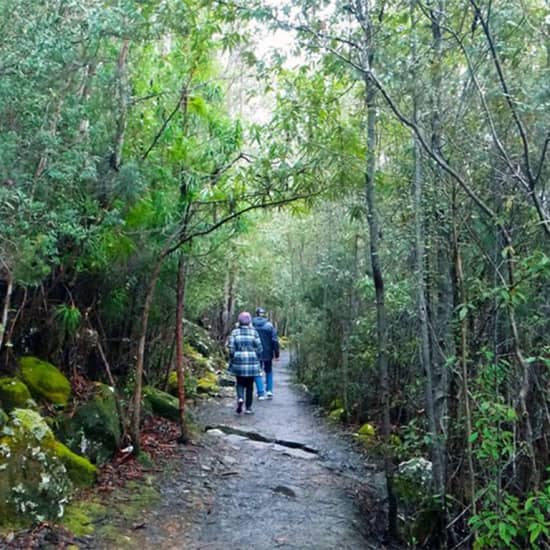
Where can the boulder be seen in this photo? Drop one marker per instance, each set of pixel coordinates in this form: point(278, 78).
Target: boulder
point(94, 428)
point(162, 403)
point(337, 414)
point(200, 339)
point(14, 394)
point(197, 361)
point(366, 434)
point(413, 480)
point(413, 483)
point(79, 469)
point(45, 381)
point(36, 470)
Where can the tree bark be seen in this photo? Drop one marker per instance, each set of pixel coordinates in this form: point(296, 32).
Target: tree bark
point(381, 317)
point(6, 308)
point(135, 427)
point(122, 96)
point(180, 367)
point(442, 295)
point(463, 359)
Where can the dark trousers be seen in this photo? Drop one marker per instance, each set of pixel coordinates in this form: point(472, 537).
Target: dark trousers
point(245, 386)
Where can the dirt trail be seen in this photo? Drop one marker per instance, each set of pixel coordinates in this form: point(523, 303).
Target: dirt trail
point(235, 492)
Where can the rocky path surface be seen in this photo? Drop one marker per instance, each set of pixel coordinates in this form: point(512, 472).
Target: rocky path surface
point(281, 478)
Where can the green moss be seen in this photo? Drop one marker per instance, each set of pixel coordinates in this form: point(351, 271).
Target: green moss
point(33, 483)
point(94, 428)
point(140, 496)
point(144, 459)
point(15, 395)
point(162, 403)
point(190, 384)
point(337, 414)
point(80, 470)
point(367, 434)
point(336, 404)
point(79, 516)
point(45, 381)
point(208, 383)
point(198, 361)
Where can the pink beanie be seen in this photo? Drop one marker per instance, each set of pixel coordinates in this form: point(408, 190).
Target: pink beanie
point(245, 318)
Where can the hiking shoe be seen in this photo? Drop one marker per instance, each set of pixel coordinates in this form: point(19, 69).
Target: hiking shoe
point(240, 406)
point(269, 395)
point(262, 397)
point(248, 411)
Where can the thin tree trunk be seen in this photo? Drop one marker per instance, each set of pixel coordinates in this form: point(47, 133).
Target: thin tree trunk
point(525, 369)
point(122, 93)
point(381, 318)
point(180, 367)
point(134, 429)
point(6, 308)
point(437, 373)
point(464, 372)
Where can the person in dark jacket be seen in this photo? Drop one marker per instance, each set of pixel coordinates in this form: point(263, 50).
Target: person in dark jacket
point(245, 348)
point(270, 351)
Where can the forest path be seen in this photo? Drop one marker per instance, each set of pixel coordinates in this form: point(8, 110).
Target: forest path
point(235, 492)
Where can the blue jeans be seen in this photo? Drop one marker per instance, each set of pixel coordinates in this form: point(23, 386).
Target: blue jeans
point(268, 368)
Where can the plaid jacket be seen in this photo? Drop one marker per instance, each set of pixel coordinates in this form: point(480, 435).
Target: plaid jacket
point(245, 348)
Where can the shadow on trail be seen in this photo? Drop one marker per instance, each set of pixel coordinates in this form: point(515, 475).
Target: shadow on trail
point(281, 478)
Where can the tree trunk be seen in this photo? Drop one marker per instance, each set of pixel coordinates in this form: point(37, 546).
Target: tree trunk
point(437, 378)
point(122, 96)
point(228, 301)
point(6, 308)
point(180, 368)
point(134, 430)
point(381, 318)
point(463, 358)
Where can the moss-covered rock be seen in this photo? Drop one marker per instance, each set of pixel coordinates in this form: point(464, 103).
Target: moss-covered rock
point(190, 384)
point(413, 480)
point(208, 383)
point(367, 435)
point(336, 404)
point(34, 484)
point(45, 381)
point(79, 469)
point(162, 403)
point(37, 471)
point(14, 394)
point(337, 414)
point(94, 428)
point(197, 361)
point(199, 338)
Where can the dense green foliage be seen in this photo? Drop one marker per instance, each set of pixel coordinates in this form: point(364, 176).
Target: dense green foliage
point(121, 152)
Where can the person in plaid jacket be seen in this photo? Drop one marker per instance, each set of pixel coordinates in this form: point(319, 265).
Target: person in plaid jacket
point(245, 348)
